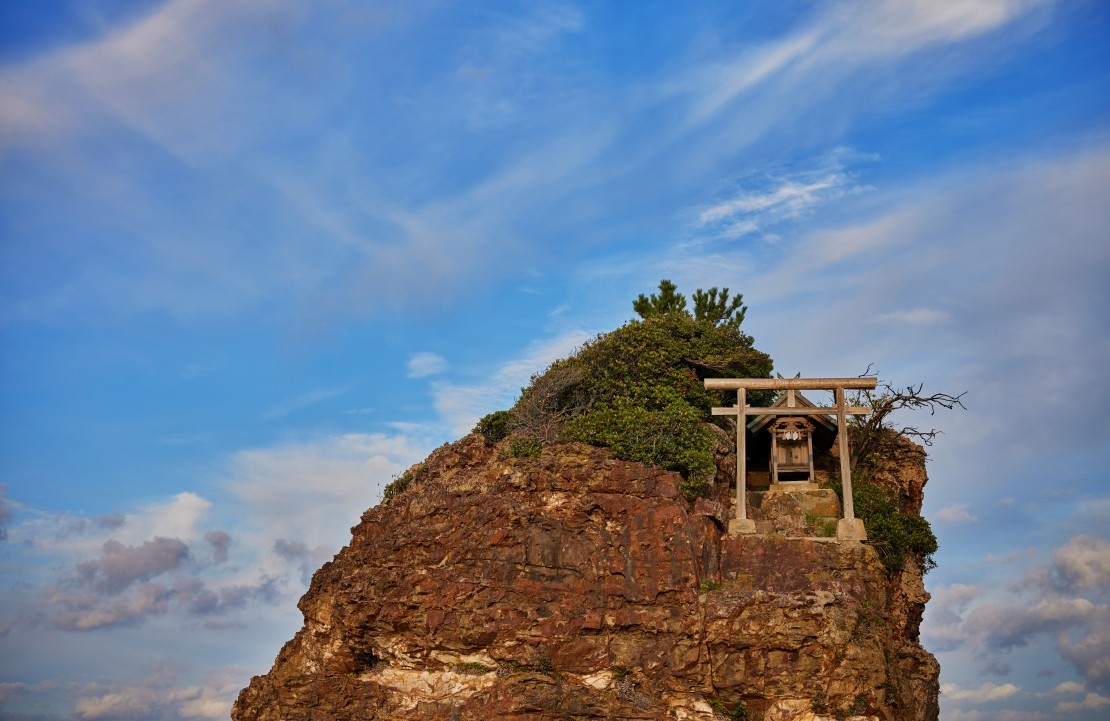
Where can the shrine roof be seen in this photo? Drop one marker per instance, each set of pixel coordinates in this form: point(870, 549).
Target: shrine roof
point(759, 422)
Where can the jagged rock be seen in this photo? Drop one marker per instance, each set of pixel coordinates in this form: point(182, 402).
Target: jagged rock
point(578, 586)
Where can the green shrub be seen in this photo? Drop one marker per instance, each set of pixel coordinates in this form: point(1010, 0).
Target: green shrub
point(639, 390)
point(674, 438)
point(399, 484)
point(820, 525)
point(736, 712)
point(472, 668)
point(711, 585)
point(494, 426)
point(662, 359)
point(894, 534)
point(509, 666)
point(525, 447)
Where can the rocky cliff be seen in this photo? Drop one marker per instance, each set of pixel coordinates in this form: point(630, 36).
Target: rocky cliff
point(576, 586)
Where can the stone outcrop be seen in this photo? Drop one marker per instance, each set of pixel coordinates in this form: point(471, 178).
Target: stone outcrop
point(578, 586)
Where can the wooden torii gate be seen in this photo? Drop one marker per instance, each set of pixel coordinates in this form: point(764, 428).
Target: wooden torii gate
point(849, 527)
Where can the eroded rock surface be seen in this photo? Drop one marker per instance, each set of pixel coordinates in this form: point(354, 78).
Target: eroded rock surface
point(578, 586)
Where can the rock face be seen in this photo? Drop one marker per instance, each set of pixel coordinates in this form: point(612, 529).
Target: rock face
point(578, 586)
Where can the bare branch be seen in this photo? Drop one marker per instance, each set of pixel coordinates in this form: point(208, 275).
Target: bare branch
point(888, 399)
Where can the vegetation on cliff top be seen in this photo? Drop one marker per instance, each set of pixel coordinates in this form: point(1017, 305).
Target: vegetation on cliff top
point(638, 390)
point(895, 534)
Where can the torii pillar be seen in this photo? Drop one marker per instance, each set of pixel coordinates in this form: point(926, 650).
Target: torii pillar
point(848, 528)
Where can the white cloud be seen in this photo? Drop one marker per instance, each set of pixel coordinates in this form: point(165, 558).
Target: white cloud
point(180, 517)
point(846, 38)
point(897, 27)
point(1090, 654)
point(792, 198)
point(942, 625)
point(130, 703)
point(165, 75)
point(1048, 604)
point(159, 696)
point(723, 84)
point(1084, 563)
point(981, 694)
point(177, 76)
point(780, 196)
point(1090, 702)
point(1005, 627)
point(916, 316)
point(1069, 687)
point(956, 513)
point(313, 491)
point(290, 507)
point(996, 715)
point(421, 365)
point(87, 611)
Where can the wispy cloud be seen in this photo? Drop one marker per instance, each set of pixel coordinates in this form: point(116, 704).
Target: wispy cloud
point(161, 695)
point(967, 249)
point(422, 365)
point(843, 39)
point(495, 70)
point(165, 75)
point(780, 196)
point(955, 513)
point(460, 406)
point(915, 316)
point(346, 242)
point(981, 694)
point(304, 400)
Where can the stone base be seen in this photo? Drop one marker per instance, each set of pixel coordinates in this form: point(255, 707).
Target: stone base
point(792, 487)
point(850, 529)
point(741, 526)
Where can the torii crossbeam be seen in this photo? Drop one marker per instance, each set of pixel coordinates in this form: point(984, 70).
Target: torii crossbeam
point(849, 527)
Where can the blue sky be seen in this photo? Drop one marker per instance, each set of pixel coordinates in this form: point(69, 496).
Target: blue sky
point(257, 256)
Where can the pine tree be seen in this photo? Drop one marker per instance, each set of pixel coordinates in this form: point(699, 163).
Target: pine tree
point(713, 305)
point(717, 309)
point(667, 301)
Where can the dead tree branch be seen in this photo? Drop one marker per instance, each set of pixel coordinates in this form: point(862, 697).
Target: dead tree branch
point(887, 400)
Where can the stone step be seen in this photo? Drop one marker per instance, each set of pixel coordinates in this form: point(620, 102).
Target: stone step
point(760, 480)
point(805, 513)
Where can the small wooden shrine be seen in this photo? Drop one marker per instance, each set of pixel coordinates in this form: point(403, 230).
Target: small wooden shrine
point(791, 442)
point(791, 448)
point(793, 422)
